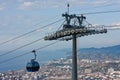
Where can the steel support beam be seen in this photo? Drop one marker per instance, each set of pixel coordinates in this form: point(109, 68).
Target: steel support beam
point(74, 58)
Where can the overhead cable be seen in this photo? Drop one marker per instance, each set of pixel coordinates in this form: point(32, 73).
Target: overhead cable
point(7, 60)
point(17, 37)
point(101, 12)
point(20, 47)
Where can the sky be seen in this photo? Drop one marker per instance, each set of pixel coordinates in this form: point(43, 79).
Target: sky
point(21, 16)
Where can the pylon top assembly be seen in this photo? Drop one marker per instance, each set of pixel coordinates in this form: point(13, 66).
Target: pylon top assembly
point(75, 25)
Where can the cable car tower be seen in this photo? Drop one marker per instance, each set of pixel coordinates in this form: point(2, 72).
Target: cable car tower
point(72, 29)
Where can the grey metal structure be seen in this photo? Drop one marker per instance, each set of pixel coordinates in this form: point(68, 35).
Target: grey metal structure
point(72, 29)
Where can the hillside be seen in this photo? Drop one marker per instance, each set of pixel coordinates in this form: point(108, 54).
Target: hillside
point(112, 52)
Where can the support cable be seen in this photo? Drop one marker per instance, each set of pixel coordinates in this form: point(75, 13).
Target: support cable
point(30, 44)
point(101, 12)
point(17, 37)
point(20, 47)
point(24, 45)
point(61, 25)
point(114, 29)
point(105, 26)
point(7, 60)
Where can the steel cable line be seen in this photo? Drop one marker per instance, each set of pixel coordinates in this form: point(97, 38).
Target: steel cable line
point(114, 29)
point(116, 25)
point(20, 47)
point(29, 44)
point(101, 12)
point(45, 20)
point(29, 32)
point(108, 26)
point(7, 60)
point(61, 25)
point(25, 44)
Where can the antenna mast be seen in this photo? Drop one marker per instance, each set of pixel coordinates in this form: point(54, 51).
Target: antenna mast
point(68, 8)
